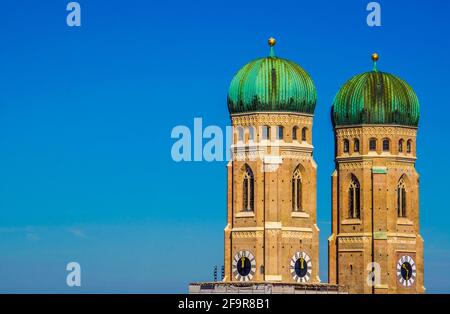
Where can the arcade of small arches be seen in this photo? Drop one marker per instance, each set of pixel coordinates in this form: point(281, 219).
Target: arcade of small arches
point(403, 146)
point(265, 132)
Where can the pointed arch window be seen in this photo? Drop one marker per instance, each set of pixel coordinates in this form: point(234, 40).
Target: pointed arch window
point(280, 132)
point(265, 132)
point(294, 133)
point(386, 145)
point(373, 144)
point(356, 145)
point(400, 145)
point(304, 138)
point(408, 146)
point(297, 191)
point(346, 145)
point(401, 198)
point(248, 189)
point(240, 132)
point(251, 134)
point(354, 199)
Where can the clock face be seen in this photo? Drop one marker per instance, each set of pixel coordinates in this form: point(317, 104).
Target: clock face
point(244, 266)
point(406, 271)
point(301, 267)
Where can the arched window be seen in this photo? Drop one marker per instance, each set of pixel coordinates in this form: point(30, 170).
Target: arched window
point(251, 134)
point(373, 144)
point(401, 198)
point(294, 133)
point(354, 204)
point(248, 189)
point(280, 132)
point(356, 145)
point(400, 145)
point(386, 145)
point(346, 146)
point(240, 132)
point(297, 191)
point(265, 132)
point(408, 146)
point(304, 131)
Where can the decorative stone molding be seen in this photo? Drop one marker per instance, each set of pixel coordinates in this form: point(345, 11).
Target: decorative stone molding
point(245, 229)
point(260, 153)
point(409, 159)
point(272, 118)
point(356, 234)
point(355, 165)
point(248, 155)
point(247, 234)
point(272, 232)
point(401, 165)
point(296, 155)
point(375, 131)
point(346, 240)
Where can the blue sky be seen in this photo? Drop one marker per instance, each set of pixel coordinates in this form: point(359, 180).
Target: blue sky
point(86, 114)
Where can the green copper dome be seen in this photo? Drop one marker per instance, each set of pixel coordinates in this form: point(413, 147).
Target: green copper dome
point(271, 84)
point(376, 98)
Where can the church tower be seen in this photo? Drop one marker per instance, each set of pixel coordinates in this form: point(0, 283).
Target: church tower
point(375, 246)
point(271, 233)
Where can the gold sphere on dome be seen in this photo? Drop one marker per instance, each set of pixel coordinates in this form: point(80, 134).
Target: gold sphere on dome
point(375, 57)
point(272, 41)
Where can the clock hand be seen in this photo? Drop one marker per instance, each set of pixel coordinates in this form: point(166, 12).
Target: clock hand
point(407, 271)
point(242, 261)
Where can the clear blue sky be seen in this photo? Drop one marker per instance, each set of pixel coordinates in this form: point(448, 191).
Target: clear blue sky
point(86, 114)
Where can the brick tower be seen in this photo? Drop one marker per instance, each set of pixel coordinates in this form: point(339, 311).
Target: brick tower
point(375, 246)
point(271, 234)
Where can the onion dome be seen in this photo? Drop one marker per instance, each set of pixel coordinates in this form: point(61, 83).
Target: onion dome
point(376, 97)
point(271, 84)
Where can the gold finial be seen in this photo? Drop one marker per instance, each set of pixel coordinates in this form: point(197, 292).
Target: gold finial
point(272, 41)
point(375, 57)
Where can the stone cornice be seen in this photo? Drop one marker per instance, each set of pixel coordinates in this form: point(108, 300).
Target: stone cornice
point(375, 130)
point(265, 118)
point(369, 158)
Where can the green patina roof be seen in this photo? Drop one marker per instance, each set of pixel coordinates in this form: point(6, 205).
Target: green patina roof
point(376, 98)
point(271, 84)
